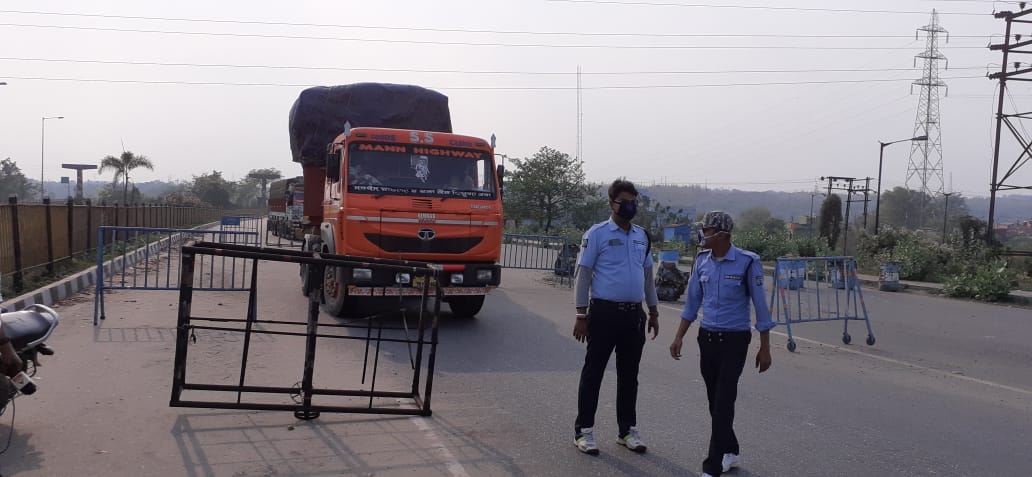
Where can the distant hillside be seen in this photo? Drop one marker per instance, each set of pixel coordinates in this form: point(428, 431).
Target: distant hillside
point(791, 205)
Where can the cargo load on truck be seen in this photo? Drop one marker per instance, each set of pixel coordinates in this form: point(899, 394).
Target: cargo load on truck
point(319, 114)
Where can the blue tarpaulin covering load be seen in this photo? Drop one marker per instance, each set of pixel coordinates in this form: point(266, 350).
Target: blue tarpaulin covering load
point(319, 114)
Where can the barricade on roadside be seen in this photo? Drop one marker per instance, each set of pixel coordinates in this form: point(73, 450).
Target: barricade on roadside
point(540, 252)
point(833, 294)
point(142, 258)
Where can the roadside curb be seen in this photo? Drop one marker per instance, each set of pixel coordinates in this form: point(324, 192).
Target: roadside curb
point(86, 279)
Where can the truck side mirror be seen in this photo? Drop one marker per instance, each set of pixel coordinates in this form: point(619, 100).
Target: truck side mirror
point(333, 166)
point(501, 177)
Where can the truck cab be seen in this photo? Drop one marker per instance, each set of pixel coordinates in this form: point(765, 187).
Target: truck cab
point(414, 195)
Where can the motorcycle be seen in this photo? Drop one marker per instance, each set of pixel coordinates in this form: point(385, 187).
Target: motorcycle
point(28, 329)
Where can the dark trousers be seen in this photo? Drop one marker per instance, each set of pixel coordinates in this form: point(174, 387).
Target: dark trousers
point(723, 355)
point(611, 328)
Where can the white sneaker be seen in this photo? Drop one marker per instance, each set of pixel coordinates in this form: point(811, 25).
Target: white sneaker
point(586, 441)
point(632, 440)
point(730, 461)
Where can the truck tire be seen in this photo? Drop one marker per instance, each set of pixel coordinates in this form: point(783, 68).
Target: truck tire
point(335, 300)
point(466, 306)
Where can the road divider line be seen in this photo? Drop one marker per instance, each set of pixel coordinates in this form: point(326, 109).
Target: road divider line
point(436, 443)
point(896, 361)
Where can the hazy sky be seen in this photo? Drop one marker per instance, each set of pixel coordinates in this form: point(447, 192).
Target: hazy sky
point(639, 119)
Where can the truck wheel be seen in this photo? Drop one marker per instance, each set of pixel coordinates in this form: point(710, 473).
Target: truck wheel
point(466, 306)
point(335, 301)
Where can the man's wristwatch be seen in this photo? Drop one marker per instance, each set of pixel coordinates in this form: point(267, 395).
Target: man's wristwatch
point(582, 316)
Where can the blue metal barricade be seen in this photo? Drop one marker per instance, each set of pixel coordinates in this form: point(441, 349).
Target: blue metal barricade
point(141, 258)
point(835, 294)
point(241, 223)
point(540, 252)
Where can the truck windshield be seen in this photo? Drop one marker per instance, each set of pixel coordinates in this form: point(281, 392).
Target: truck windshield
point(398, 169)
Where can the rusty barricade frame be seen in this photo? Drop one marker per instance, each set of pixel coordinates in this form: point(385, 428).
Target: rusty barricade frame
point(314, 264)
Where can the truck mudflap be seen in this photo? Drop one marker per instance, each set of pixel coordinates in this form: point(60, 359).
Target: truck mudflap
point(412, 291)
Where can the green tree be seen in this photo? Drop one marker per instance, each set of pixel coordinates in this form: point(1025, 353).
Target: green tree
point(13, 181)
point(830, 222)
point(122, 166)
point(592, 208)
point(264, 176)
point(213, 189)
point(907, 209)
point(753, 217)
point(545, 187)
point(247, 191)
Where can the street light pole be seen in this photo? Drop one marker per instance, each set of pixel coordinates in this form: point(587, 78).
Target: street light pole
point(42, 151)
point(946, 214)
point(881, 157)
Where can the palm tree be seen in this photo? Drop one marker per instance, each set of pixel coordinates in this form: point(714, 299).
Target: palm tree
point(123, 165)
point(264, 175)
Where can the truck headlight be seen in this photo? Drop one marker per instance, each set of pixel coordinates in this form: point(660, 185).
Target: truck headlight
point(485, 275)
point(403, 278)
point(362, 274)
point(456, 279)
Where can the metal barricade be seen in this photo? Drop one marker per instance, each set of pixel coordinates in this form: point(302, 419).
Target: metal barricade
point(539, 252)
point(812, 289)
point(142, 258)
point(380, 391)
point(241, 223)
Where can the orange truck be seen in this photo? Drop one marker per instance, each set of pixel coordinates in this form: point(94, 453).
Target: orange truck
point(380, 190)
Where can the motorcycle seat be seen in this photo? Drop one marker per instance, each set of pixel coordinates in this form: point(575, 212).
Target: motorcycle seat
point(30, 326)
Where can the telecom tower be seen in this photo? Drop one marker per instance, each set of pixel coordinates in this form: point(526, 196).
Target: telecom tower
point(925, 169)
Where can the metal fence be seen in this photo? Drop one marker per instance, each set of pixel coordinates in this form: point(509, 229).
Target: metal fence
point(540, 252)
point(814, 289)
point(142, 258)
point(36, 237)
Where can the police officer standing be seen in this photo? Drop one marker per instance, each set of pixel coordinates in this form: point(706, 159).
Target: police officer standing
point(615, 269)
point(724, 280)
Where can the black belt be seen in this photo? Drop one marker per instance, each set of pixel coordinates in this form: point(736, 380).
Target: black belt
point(720, 336)
point(619, 305)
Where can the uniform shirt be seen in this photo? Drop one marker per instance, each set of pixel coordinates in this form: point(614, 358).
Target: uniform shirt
point(618, 260)
point(722, 288)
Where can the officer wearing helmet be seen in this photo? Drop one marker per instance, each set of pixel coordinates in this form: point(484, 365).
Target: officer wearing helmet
point(724, 280)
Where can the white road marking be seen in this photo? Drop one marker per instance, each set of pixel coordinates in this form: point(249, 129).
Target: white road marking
point(899, 362)
point(453, 465)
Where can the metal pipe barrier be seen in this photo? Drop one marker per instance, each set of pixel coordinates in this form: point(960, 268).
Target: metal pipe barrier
point(540, 252)
point(241, 223)
point(370, 333)
point(813, 289)
point(143, 258)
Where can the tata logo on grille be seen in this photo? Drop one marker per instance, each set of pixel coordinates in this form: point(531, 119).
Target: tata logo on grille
point(425, 218)
point(426, 234)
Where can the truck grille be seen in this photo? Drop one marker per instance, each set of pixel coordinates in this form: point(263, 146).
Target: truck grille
point(396, 244)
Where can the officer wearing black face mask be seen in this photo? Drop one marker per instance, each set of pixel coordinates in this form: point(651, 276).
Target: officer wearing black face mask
point(615, 271)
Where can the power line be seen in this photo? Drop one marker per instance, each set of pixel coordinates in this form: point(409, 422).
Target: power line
point(462, 30)
point(758, 7)
point(483, 88)
point(470, 43)
point(459, 71)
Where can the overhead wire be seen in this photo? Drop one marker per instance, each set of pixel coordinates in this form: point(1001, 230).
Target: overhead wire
point(464, 43)
point(462, 71)
point(457, 30)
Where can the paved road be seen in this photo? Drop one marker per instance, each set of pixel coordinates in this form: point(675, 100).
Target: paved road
point(945, 392)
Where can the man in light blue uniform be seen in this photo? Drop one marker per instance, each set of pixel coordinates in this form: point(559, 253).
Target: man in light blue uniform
point(616, 268)
point(724, 280)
